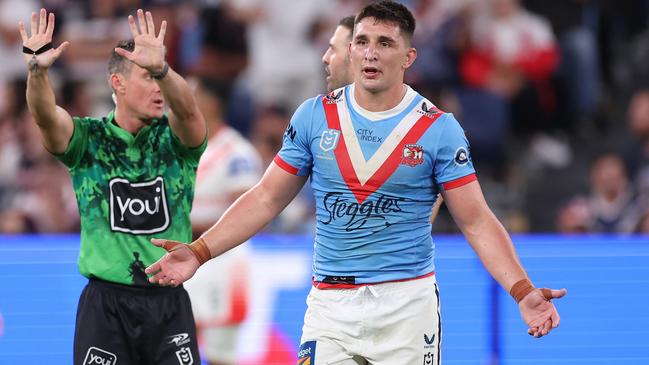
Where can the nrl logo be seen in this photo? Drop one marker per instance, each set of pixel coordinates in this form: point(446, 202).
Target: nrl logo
point(334, 97)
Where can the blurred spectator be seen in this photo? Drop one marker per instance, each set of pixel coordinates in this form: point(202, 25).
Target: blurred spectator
point(508, 66)
point(284, 66)
point(13, 66)
point(637, 152)
point(267, 136)
point(612, 205)
point(574, 217)
point(439, 37)
point(578, 72)
point(43, 195)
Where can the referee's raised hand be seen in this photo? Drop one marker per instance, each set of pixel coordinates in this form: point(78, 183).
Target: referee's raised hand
point(149, 52)
point(37, 47)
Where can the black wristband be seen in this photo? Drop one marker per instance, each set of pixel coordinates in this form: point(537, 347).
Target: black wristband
point(45, 48)
point(161, 75)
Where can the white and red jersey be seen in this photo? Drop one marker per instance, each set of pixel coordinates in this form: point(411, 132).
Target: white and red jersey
point(219, 289)
point(375, 177)
point(229, 165)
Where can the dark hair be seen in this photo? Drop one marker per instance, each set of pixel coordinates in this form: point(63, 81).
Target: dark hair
point(117, 63)
point(348, 22)
point(392, 12)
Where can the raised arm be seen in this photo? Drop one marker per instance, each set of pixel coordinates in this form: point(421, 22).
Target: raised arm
point(247, 216)
point(493, 245)
point(186, 120)
point(54, 122)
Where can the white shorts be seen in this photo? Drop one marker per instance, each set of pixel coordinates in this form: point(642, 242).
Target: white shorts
point(396, 323)
point(220, 300)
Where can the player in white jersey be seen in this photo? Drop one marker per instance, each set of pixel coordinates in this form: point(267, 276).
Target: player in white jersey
point(219, 291)
point(376, 154)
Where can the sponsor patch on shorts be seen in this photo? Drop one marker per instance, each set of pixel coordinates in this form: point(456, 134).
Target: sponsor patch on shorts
point(306, 354)
point(98, 356)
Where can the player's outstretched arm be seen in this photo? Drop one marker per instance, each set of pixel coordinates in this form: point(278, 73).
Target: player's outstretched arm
point(186, 120)
point(247, 216)
point(54, 122)
point(493, 245)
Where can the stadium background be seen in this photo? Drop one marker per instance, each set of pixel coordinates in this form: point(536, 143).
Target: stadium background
point(569, 176)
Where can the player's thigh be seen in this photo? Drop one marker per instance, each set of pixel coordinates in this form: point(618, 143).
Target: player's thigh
point(220, 344)
point(98, 337)
point(408, 330)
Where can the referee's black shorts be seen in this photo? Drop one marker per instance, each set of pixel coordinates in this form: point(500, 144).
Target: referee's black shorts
point(134, 325)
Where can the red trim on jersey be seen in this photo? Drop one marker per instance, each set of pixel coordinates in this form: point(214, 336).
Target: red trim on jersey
point(285, 165)
point(459, 182)
point(387, 168)
point(324, 286)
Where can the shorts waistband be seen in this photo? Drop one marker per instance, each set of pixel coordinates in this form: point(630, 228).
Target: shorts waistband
point(133, 290)
point(323, 285)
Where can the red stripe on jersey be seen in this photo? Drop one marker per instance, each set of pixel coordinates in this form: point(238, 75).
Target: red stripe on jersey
point(285, 166)
point(387, 168)
point(459, 182)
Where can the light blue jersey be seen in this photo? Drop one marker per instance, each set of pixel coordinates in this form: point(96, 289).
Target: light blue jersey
point(375, 177)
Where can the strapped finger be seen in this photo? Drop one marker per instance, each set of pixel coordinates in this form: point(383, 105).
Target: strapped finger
point(141, 22)
point(34, 23)
point(163, 30)
point(50, 26)
point(43, 22)
point(23, 33)
point(169, 245)
point(547, 293)
point(149, 23)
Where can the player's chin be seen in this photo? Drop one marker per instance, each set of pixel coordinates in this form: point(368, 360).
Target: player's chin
point(156, 111)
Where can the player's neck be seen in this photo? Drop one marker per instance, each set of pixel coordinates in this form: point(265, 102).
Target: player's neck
point(379, 101)
point(128, 121)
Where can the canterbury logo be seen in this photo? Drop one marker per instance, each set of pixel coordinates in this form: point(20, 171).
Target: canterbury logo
point(334, 97)
point(426, 110)
point(179, 339)
point(429, 341)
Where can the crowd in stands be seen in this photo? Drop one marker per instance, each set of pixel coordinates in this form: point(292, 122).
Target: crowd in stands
point(553, 95)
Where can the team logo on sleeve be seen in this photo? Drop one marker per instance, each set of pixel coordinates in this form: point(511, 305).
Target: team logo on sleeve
point(138, 208)
point(461, 156)
point(329, 139)
point(413, 155)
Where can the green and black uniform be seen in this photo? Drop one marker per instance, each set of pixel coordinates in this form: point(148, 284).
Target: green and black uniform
point(131, 188)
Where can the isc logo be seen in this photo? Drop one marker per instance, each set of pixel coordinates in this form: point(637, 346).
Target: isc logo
point(138, 208)
point(96, 356)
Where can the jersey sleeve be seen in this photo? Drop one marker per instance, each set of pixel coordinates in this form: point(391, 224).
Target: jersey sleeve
point(190, 154)
point(295, 155)
point(453, 165)
point(77, 145)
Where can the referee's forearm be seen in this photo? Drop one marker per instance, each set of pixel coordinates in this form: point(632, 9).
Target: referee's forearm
point(40, 98)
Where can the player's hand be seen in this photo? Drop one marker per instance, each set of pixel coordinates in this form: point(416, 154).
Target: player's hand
point(175, 267)
point(149, 51)
point(538, 311)
point(42, 28)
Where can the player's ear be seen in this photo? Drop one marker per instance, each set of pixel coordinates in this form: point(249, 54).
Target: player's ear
point(411, 56)
point(116, 81)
